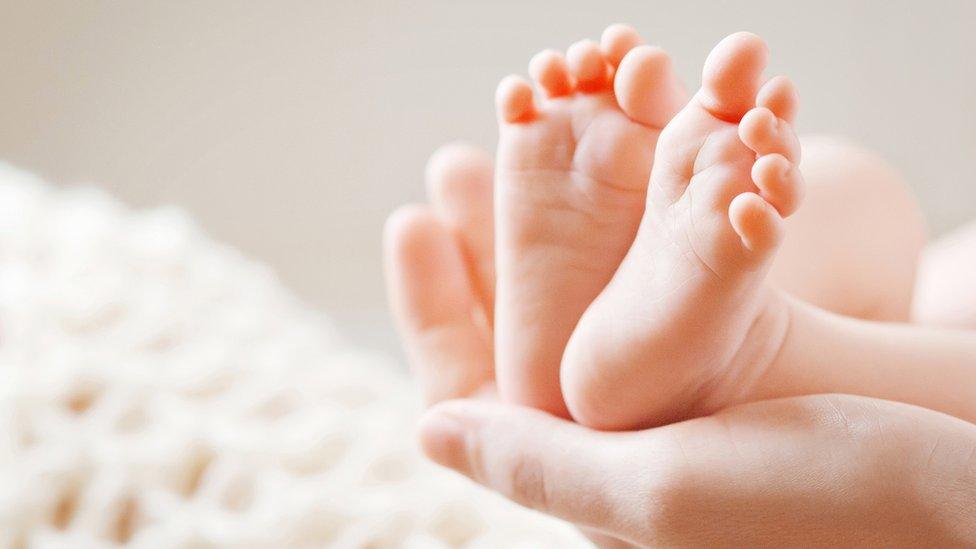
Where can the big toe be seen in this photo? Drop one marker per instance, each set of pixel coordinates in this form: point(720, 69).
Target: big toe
point(733, 75)
point(647, 88)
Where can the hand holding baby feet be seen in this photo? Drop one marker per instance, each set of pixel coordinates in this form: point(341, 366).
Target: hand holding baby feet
point(688, 324)
point(571, 183)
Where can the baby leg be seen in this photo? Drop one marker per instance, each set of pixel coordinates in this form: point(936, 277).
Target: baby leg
point(854, 246)
point(946, 294)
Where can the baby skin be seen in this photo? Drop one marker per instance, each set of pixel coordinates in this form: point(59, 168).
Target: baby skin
point(572, 189)
point(688, 324)
point(571, 186)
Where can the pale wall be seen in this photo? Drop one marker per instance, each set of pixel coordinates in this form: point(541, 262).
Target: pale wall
point(290, 129)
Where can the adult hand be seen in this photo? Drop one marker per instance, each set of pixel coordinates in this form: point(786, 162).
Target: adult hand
point(817, 470)
point(809, 471)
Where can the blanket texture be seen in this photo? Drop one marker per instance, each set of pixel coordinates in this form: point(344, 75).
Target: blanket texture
point(158, 389)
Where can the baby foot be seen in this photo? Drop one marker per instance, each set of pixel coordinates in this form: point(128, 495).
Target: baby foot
point(571, 185)
point(687, 325)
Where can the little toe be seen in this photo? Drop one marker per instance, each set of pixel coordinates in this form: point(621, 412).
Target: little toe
point(617, 40)
point(780, 96)
point(779, 182)
point(758, 224)
point(514, 101)
point(647, 88)
point(549, 70)
point(588, 66)
point(732, 76)
point(762, 132)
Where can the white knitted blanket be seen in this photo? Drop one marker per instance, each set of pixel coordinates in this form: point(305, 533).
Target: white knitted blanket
point(159, 390)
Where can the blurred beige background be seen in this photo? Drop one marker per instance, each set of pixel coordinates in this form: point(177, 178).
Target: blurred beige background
point(290, 129)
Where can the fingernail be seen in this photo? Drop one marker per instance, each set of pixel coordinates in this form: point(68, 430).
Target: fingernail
point(443, 438)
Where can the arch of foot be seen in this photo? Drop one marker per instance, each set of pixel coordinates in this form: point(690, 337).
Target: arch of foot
point(160, 390)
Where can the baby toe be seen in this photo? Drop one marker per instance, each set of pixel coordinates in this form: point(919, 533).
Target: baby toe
point(762, 132)
point(514, 101)
point(757, 223)
point(549, 70)
point(779, 95)
point(647, 88)
point(617, 40)
point(779, 182)
point(732, 76)
point(588, 66)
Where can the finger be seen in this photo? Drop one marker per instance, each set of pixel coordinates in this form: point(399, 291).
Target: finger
point(459, 186)
point(542, 462)
point(434, 305)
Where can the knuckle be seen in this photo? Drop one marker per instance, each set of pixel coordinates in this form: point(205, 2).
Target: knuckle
point(526, 482)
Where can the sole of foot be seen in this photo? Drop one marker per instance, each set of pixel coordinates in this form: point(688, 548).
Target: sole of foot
point(574, 157)
point(688, 323)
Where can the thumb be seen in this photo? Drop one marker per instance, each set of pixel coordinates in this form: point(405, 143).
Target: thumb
point(541, 462)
